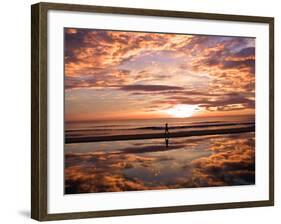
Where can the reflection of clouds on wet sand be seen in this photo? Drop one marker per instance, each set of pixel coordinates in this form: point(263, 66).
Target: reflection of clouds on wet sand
point(101, 172)
point(233, 163)
point(148, 164)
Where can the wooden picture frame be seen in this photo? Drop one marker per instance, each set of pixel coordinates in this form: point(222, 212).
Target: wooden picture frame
point(39, 109)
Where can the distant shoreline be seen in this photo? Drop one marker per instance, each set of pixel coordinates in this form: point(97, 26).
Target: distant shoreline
point(158, 135)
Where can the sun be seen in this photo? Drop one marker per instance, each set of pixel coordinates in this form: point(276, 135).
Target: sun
point(182, 110)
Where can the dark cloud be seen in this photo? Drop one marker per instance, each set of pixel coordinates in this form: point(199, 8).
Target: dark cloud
point(250, 63)
point(221, 102)
point(153, 148)
point(150, 88)
point(100, 78)
point(230, 99)
point(246, 52)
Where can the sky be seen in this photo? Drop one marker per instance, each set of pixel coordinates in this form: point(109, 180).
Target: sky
point(113, 75)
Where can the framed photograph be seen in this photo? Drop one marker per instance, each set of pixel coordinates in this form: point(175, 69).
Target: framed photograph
point(139, 111)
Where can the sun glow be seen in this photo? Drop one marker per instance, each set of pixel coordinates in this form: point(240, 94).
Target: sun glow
point(182, 110)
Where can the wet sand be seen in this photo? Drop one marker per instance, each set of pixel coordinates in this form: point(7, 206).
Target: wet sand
point(160, 135)
point(188, 162)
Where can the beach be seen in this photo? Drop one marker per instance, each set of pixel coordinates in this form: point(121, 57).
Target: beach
point(178, 134)
point(133, 155)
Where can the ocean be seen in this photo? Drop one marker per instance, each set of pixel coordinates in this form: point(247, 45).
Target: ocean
point(144, 126)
